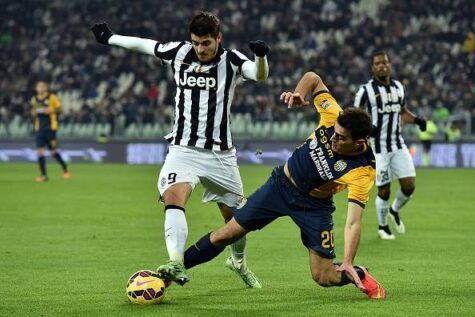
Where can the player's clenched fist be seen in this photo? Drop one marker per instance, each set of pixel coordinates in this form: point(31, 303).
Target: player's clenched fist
point(259, 48)
point(102, 33)
point(293, 99)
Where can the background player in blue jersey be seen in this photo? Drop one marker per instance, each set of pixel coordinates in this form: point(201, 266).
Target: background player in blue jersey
point(45, 108)
point(336, 156)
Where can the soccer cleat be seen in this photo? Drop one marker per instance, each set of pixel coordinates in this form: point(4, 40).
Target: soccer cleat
point(385, 234)
point(247, 276)
point(41, 179)
point(373, 289)
point(173, 271)
point(398, 224)
point(66, 175)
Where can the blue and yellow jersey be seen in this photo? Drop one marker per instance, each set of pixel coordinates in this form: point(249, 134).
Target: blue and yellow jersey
point(316, 169)
point(45, 121)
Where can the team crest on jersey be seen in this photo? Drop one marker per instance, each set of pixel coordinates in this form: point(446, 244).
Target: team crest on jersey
point(313, 144)
point(325, 104)
point(340, 165)
point(163, 182)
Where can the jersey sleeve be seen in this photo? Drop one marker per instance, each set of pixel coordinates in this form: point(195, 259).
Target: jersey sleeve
point(327, 107)
point(359, 182)
point(166, 52)
point(401, 93)
point(55, 103)
point(33, 103)
point(361, 98)
point(237, 59)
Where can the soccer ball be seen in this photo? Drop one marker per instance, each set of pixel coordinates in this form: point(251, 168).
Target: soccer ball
point(145, 287)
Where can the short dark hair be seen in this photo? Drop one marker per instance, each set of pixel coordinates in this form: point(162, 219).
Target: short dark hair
point(378, 53)
point(358, 121)
point(205, 23)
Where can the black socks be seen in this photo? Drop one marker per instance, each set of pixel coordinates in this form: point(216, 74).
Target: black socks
point(60, 161)
point(42, 164)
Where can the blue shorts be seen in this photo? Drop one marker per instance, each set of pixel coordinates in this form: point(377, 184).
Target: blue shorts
point(278, 197)
point(46, 138)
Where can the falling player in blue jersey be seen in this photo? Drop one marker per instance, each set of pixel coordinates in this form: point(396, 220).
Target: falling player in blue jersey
point(336, 156)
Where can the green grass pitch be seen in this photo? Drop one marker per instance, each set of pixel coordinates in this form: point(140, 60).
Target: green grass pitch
point(67, 248)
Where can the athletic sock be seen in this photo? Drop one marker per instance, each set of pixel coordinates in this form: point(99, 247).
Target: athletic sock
point(346, 280)
point(201, 252)
point(400, 200)
point(42, 164)
point(238, 252)
point(176, 232)
point(382, 209)
point(425, 159)
point(385, 229)
point(58, 158)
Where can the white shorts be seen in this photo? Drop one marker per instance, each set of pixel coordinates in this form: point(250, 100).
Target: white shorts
point(218, 171)
point(397, 164)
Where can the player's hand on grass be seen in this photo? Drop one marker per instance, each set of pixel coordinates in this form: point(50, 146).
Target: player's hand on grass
point(102, 32)
point(293, 99)
point(351, 272)
point(259, 48)
point(421, 123)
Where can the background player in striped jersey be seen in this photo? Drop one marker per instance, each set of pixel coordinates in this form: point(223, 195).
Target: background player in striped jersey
point(384, 98)
point(45, 108)
point(201, 148)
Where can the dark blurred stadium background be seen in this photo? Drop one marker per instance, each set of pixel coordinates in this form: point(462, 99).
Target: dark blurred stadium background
point(118, 94)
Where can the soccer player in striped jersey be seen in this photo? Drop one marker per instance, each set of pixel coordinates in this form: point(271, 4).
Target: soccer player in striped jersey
point(45, 108)
point(201, 148)
point(385, 99)
point(335, 157)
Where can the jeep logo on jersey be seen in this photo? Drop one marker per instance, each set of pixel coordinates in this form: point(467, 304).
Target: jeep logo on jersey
point(197, 80)
point(390, 108)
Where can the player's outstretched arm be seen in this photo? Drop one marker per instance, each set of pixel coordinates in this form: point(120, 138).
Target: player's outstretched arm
point(352, 239)
point(259, 69)
point(104, 35)
point(310, 83)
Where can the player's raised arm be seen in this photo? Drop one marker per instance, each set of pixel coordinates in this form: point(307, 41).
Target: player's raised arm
point(104, 35)
point(259, 69)
point(310, 83)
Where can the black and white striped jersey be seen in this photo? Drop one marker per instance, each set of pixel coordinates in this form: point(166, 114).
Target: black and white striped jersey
point(203, 95)
point(384, 103)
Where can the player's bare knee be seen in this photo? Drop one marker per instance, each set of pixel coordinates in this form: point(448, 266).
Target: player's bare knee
point(408, 190)
point(227, 234)
point(223, 237)
point(171, 197)
point(226, 212)
point(384, 192)
point(322, 279)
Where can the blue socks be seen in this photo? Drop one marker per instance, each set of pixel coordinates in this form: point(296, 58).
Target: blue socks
point(201, 252)
point(42, 164)
point(344, 277)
